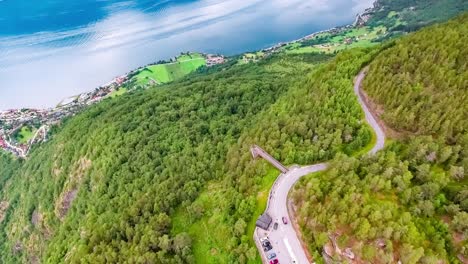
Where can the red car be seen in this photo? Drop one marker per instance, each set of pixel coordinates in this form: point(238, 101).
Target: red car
point(275, 261)
point(285, 220)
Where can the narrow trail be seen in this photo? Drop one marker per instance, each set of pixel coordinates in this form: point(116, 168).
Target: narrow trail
point(285, 241)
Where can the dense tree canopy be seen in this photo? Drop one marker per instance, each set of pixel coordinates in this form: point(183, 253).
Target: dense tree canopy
point(422, 82)
point(410, 201)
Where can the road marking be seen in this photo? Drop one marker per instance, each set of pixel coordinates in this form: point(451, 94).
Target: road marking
point(288, 247)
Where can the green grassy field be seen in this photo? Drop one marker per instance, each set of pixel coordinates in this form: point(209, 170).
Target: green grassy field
point(25, 134)
point(118, 92)
point(297, 49)
point(164, 73)
point(347, 39)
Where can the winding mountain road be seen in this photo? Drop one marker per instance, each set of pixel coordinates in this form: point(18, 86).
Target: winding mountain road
point(285, 241)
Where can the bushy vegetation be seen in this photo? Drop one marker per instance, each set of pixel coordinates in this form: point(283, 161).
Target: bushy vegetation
point(410, 201)
point(394, 206)
point(9, 165)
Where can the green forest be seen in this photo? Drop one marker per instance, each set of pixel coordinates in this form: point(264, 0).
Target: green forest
point(107, 185)
point(422, 82)
point(410, 201)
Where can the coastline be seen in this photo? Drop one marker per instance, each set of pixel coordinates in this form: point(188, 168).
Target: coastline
point(12, 120)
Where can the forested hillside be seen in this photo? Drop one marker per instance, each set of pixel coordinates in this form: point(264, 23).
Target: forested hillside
point(104, 188)
point(422, 82)
point(409, 202)
point(107, 186)
point(318, 117)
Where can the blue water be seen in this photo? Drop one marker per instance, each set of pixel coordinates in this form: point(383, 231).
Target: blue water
point(52, 49)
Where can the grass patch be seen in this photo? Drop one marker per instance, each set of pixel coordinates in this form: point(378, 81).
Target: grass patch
point(118, 92)
point(209, 245)
point(302, 50)
point(327, 43)
point(168, 72)
point(211, 233)
point(25, 134)
point(392, 14)
point(262, 198)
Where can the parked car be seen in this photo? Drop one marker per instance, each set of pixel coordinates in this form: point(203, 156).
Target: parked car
point(266, 244)
point(285, 220)
point(275, 261)
point(267, 248)
point(272, 255)
point(263, 239)
point(275, 226)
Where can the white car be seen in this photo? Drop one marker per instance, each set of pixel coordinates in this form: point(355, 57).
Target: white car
point(263, 239)
point(272, 255)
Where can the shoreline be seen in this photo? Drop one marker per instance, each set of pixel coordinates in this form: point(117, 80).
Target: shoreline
point(135, 70)
point(13, 119)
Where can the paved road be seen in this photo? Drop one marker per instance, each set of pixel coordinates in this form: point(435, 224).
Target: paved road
point(369, 117)
point(285, 242)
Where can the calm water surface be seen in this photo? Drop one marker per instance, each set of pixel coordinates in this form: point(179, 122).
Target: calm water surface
point(52, 49)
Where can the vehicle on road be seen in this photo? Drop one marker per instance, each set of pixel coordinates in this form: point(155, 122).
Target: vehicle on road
point(275, 261)
point(275, 226)
point(266, 244)
point(263, 239)
point(267, 248)
point(285, 220)
point(272, 255)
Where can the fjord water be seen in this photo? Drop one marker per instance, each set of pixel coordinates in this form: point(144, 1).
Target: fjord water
point(53, 49)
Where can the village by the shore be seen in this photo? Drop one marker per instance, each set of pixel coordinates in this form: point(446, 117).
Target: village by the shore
point(13, 120)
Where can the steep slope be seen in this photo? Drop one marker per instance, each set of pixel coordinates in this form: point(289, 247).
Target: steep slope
point(105, 187)
point(106, 184)
point(312, 122)
point(409, 202)
point(421, 83)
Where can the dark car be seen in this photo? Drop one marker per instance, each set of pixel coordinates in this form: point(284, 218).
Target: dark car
point(285, 220)
point(275, 226)
point(266, 244)
point(267, 248)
